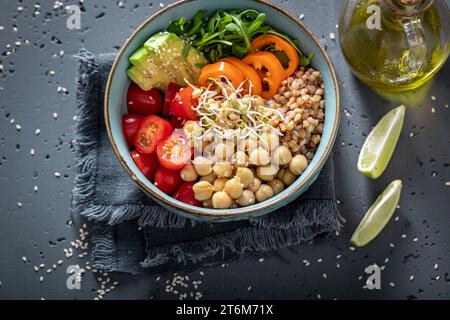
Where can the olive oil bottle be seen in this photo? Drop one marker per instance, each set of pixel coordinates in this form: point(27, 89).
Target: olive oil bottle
point(395, 45)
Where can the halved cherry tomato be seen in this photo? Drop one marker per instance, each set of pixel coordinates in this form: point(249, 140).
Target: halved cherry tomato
point(186, 194)
point(174, 152)
point(168, 181)
point(274, 75)
point(181, 106)
point(130, 126)
point(143, 102)
point(220, 70)
point(146, 163)
point(280, 45)
point(176, 122)
point(250, 74)
point(152, 130)
point(172, 90)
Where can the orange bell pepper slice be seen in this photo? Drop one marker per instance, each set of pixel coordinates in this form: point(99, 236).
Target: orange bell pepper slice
point(250, 74)
point(280, 45)
point(220, 70)
point(274, 71)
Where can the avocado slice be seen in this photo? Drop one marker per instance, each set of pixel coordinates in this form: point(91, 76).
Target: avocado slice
point(165, 58)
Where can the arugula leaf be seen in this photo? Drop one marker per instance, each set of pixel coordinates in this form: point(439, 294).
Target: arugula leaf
point(306, 60)
point(225, 33)
point(178, 26)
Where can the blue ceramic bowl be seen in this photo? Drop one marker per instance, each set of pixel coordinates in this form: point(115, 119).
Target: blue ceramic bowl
point(115, 104)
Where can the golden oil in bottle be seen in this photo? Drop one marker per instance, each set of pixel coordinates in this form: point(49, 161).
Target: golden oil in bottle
point(395, 45)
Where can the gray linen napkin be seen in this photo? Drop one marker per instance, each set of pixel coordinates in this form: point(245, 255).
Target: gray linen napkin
point(131, 233)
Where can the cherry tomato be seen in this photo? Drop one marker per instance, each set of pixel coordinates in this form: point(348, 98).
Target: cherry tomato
point(146, 163)
point(130, 126)
point(181, 105)
point(176, 123)
point(172, 90)
point(186, 194)
point(153, 129)
point(143, 102)
point(174, 152)
point(168, 181)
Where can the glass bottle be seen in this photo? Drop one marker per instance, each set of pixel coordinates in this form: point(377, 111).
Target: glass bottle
point(395, 45)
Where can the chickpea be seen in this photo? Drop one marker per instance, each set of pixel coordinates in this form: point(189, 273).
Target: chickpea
point(203, 190)
point(221, 200)
point(259, 157)
point(280, 173)
point(188, 173)
point(202, 166)
point(192, 128)
point(267, 173)
point(245, 175)
point(269, 141)
point(282, 156)
point(224, 151)
point(246, 199)
point(288, 177)
point(254, 186)
point(219, 184)
point(208, 203)
point(223, 169)
point(264, 192)
point(248, 144)
point(234, 188)
point(276, 185)
point(209, 178)
point(298, 164)
point(240, 159)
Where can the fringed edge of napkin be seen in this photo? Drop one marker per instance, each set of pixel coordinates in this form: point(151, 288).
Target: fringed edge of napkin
point(323, 220)
point(86, 136)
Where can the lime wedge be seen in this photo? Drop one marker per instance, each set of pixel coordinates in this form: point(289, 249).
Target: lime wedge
point(380, 144)
point(378, 215)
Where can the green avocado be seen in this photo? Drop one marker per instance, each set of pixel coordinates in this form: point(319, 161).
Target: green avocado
point(165, 58)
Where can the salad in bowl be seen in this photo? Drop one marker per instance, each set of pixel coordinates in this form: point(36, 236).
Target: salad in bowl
point(224, 112)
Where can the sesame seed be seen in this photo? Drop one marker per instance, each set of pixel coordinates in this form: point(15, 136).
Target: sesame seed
point(36, 268)
point(57, 174)
point(433, 98)
point(411, 278)
point(324, 275)
point(161, 5)
point(433, 110)
point(55, 115)
point(447, 184)
point(24, 259)
point(32, 152)
point(392, 284)
point(403, 236)
point(19, 204)
point(41, 279)
point(415, 239)
point(35, 188)
point(302, 16)
point(332, 36)
point(37, 131)
point(261, 260)
point(436, 266)
point(18, 127)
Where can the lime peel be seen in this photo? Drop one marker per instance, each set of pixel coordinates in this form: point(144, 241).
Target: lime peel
point(381, 142)
point(378, 215)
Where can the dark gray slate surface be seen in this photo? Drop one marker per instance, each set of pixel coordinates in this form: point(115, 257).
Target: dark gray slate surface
point(416, 243)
